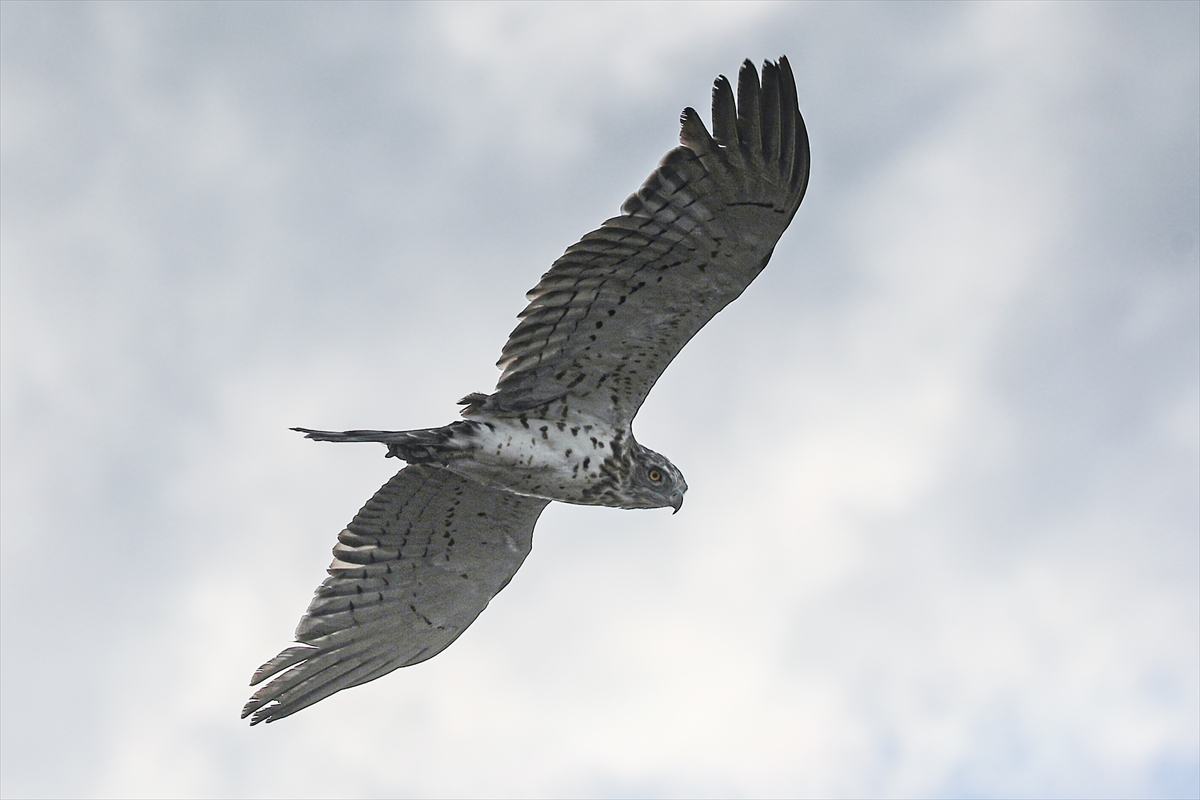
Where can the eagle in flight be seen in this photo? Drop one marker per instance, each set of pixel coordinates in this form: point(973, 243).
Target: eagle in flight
point(427, 553)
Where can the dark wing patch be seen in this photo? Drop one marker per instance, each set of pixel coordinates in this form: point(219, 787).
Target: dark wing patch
point(417, 565)
point(612, 313)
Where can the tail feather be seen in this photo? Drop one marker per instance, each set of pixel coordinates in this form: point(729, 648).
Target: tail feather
point(427, 446)
point(358, 436)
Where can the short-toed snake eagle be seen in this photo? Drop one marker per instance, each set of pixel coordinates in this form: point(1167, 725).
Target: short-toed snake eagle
point(427, 553)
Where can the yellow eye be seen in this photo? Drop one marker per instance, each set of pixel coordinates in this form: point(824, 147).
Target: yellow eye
point(655, 476)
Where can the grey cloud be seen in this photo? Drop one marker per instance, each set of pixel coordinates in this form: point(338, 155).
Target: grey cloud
point(942, 534)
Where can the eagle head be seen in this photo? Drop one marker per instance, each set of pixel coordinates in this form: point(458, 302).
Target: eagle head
point(652, 481)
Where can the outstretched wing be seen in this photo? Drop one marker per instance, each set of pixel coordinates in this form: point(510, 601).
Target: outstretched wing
point(612, 313)
point(417, 565)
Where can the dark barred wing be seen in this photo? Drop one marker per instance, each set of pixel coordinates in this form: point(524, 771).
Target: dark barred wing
point(417, 565)
point(612, 313)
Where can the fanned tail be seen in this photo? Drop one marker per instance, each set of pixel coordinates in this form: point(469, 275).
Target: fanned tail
point(427, 446)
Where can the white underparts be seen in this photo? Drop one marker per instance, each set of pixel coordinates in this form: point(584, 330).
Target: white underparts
point(552, 459)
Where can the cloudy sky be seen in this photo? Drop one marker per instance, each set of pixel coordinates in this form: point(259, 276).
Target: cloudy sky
point(944, 457)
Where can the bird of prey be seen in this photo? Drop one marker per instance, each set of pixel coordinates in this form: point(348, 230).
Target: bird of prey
point(427, 553)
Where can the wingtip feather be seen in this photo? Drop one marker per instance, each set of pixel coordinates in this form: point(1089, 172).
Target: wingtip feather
point(771, 110)
point(724, 113)
point(749, 118)
point(693, 134)
point(290, 656)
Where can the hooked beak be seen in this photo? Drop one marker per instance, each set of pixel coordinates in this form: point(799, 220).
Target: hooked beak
point(676, 502)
